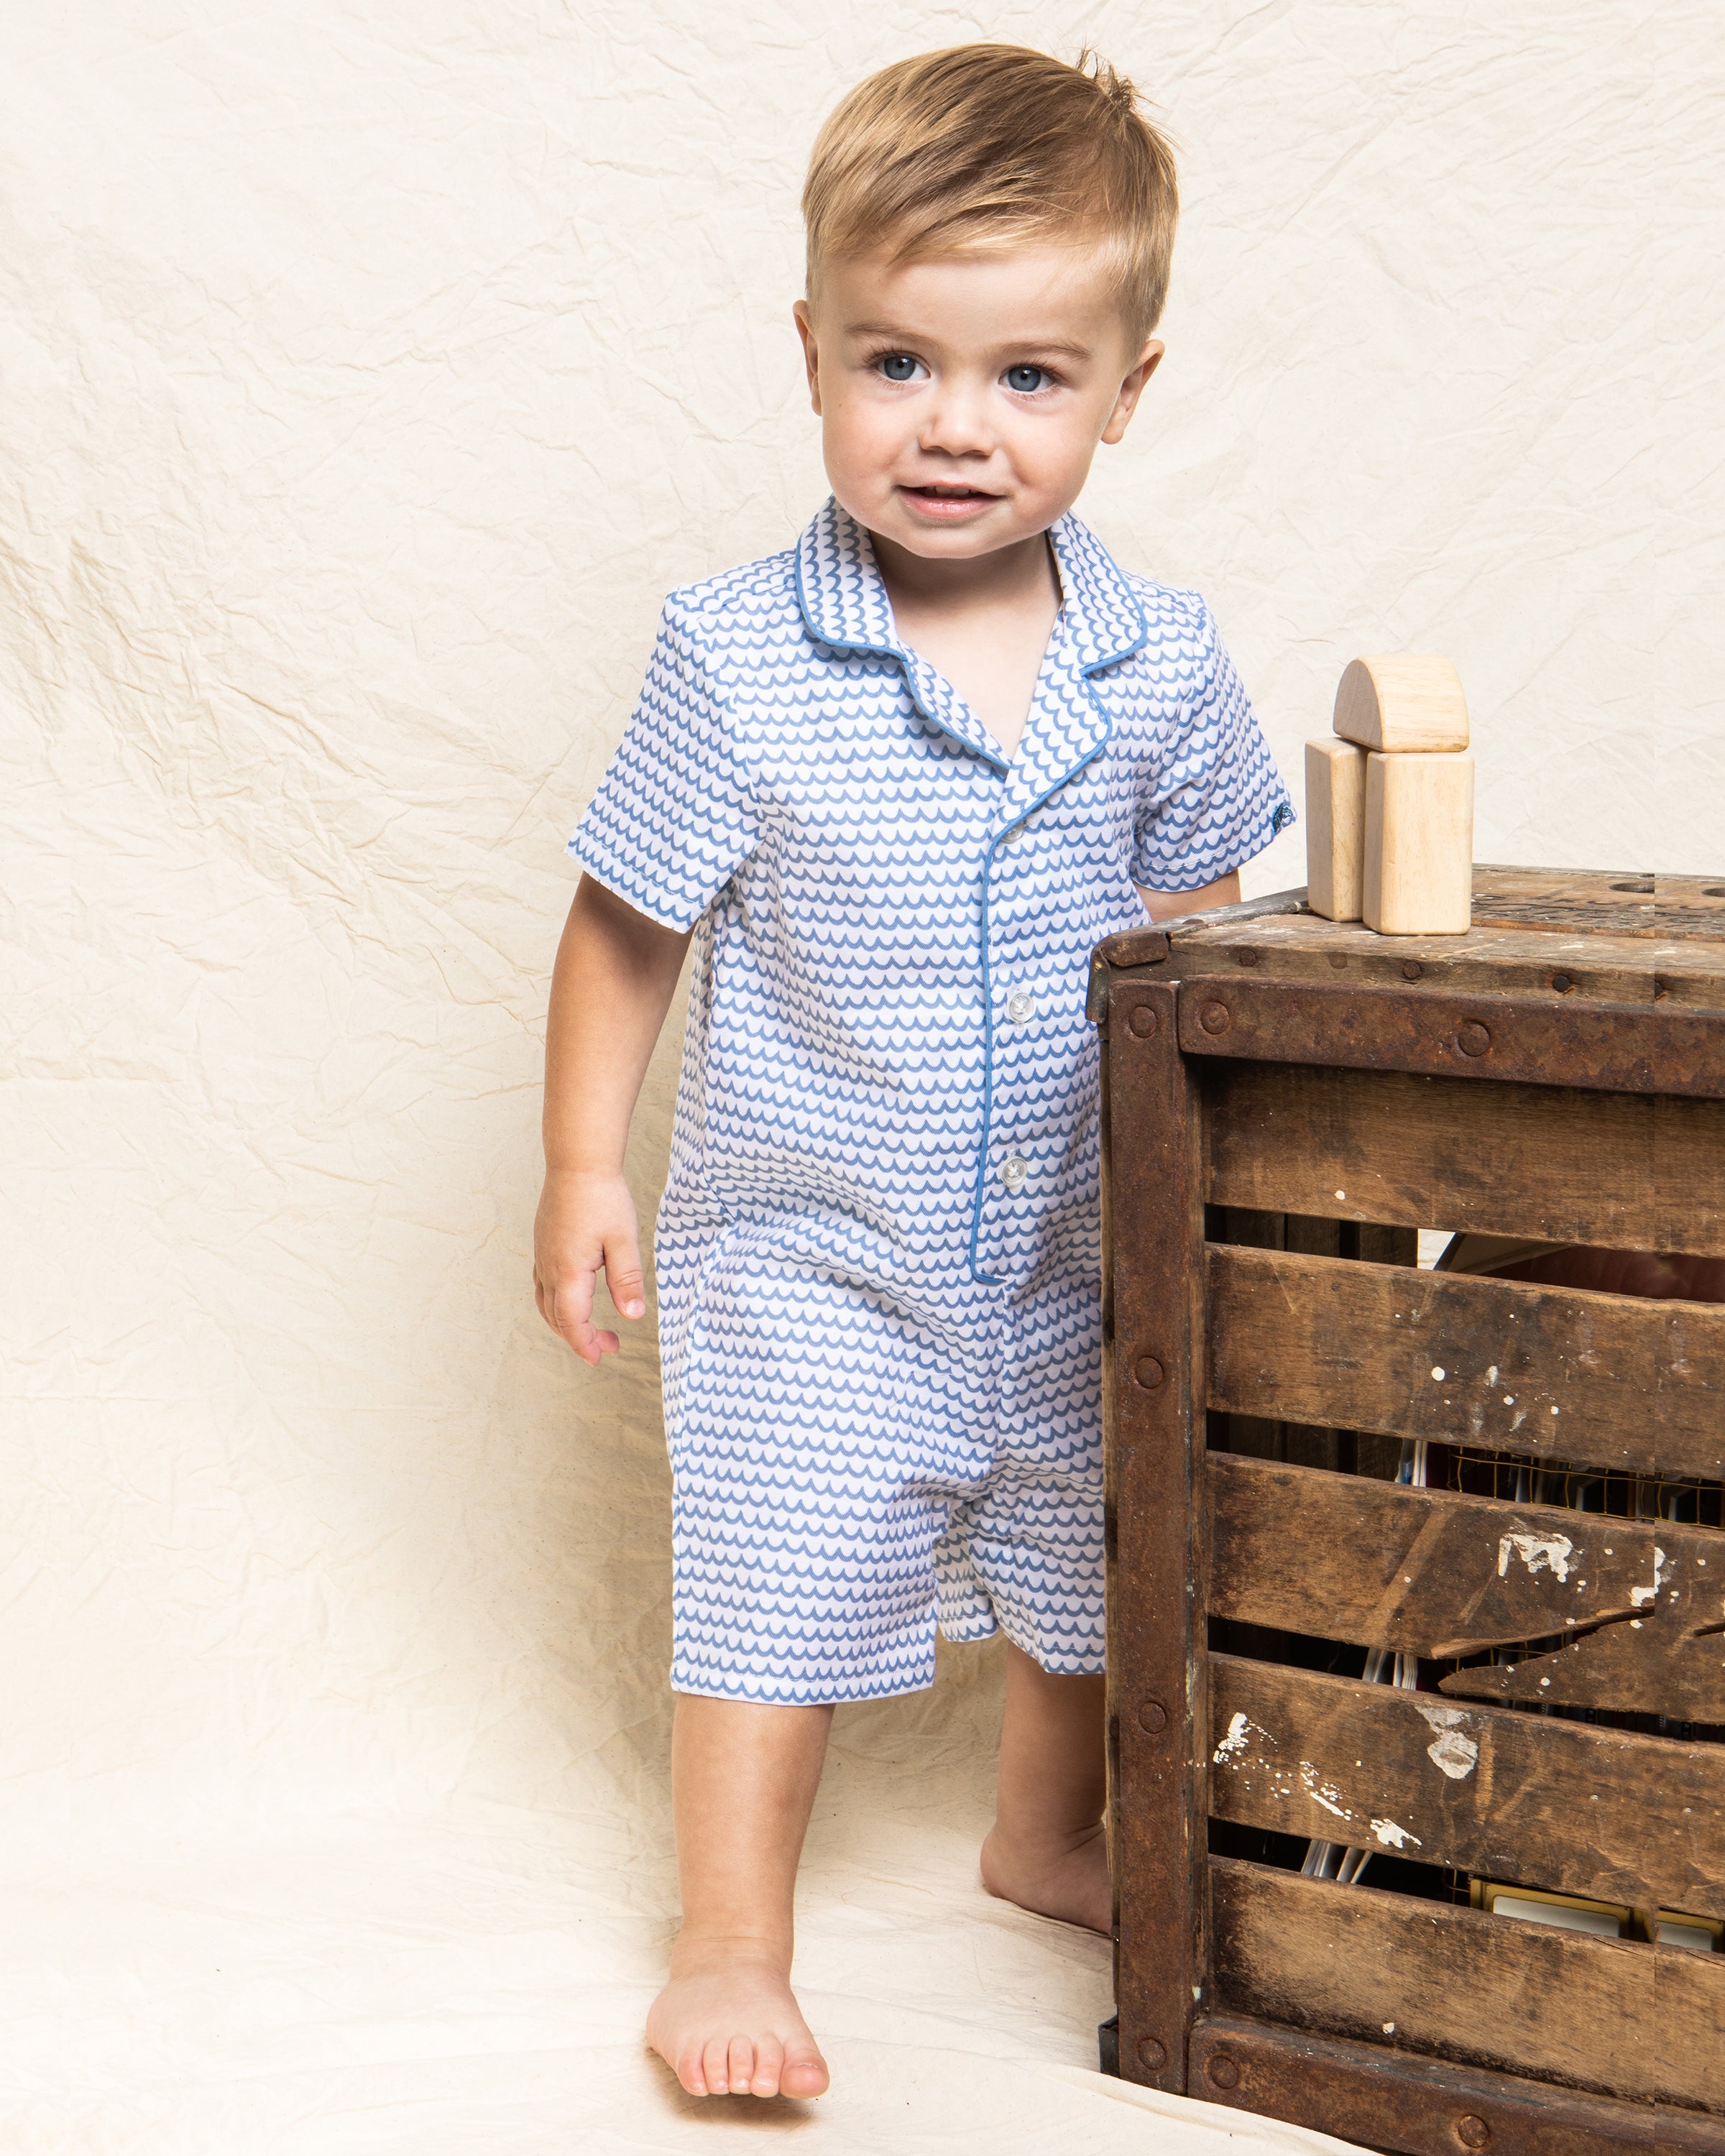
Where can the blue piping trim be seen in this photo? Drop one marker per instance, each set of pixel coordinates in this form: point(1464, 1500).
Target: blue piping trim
point(993, 1279)
point(1004, 767)
point(897, 653)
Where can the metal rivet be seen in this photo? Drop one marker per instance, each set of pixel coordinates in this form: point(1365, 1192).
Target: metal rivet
point(1148, 1372)
point(1153, 1716)
point(1223, 2070)
point(1151, 2055)
point(1473, 2131)
point(1339, 959)
point(1143, 1021)
point(1411, 969)
point(1562, 983)
point(1472, 1038)
point(1214, 1018)
point(1245, 957)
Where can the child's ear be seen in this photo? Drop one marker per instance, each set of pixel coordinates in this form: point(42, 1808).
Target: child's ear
point(1149, 360)
point(811, 355)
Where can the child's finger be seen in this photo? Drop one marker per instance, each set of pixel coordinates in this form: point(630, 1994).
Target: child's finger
point(623, 1277)
point(571, 1315)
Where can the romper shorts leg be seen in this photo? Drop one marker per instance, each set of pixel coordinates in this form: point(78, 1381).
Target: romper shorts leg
point(848, 1470)
point(1025, 1551)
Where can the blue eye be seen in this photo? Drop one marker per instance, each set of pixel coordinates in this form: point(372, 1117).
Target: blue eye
point(1026, 380)
point(898, 367)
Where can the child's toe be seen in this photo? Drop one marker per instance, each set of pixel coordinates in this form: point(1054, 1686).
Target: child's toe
point(769, 2066)
point(804, 2072)
point(715, 2064)
point(740, 2065)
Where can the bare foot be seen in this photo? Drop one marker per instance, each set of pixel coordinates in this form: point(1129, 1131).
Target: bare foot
point(1068, 1879)
point(728, 2025)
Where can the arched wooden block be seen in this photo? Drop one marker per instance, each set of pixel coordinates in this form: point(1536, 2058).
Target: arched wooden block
point(1409, 700)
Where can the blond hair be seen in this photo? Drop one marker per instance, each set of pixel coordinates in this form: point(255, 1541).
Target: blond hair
point(985, 144)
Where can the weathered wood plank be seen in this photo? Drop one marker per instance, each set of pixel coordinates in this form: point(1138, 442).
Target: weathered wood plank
point(1627, 1171)
point(1427, 1572)
point(1157, 1670)
point(1387, 2098)
point(1550, 1040)
point(1638, 1819)
point(1641, 1666)
point(1612, 1381)
point(1644, 2023)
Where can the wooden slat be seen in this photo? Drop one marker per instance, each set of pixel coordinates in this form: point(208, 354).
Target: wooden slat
point(1627, 1171)
point(1644, 1665)
point(1387, 2098)
point(1548, 1040)
point(1426, 1572)
point(1612, 1381)
point(1157, 1670)
point(1640, 2022)
point(1558, 1805)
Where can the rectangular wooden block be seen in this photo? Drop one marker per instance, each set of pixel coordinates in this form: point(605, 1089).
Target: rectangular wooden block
point(1419, 862)
point(1335, 828)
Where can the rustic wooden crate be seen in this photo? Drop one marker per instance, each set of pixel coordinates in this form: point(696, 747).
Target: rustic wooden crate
point(1286, 1101)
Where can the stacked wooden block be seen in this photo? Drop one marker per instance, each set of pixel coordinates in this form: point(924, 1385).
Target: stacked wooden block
point(1389, 801)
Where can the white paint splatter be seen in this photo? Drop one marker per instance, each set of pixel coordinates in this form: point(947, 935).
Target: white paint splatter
point(1491, 1375)
point(1394, 1837)
point(1237, 1740)
point(1456, 1755)
point(1641, 1596)
point(1437, 1371)
point(1538, 1552)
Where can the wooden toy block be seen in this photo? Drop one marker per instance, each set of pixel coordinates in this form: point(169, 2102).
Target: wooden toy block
point(1407, 701)
point(1335, 827)
point(1419, 866)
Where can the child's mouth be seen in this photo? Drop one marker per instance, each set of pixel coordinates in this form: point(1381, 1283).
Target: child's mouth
point(945, 502)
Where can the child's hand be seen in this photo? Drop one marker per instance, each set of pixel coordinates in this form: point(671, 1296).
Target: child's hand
point(586, 1223)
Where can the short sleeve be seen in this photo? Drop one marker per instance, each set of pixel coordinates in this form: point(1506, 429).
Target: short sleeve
point(675, 815)
point(1215, 798)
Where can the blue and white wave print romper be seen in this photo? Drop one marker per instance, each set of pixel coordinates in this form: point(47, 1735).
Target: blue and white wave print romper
point(878, 1253)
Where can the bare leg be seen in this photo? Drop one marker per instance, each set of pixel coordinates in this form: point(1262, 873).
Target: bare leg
point(1047, 1850)
point(744, 1780)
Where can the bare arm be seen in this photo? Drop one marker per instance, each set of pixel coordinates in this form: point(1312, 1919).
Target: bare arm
point(1164, 905)
point(616, 973)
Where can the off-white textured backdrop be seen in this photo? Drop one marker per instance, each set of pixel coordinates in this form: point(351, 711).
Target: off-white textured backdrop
point(369, 369)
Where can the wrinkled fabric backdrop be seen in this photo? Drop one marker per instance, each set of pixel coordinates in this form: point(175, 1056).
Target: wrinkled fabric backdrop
point(369, 369)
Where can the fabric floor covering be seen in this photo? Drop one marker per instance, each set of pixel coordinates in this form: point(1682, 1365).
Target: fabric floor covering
point(421, 1992)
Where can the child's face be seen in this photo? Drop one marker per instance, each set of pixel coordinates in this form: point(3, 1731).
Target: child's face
point(962, 397)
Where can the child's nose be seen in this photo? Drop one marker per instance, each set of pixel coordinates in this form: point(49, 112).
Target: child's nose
point(957, 422)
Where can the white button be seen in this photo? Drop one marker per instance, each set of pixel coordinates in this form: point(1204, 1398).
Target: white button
point(1020, 1006)
point(1012, 837)
point(1013, 1172)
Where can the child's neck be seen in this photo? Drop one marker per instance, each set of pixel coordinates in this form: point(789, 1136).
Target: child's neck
point(984, 623)
point(1021, 575)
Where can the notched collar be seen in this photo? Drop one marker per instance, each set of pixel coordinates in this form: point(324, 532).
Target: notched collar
point(844, 604)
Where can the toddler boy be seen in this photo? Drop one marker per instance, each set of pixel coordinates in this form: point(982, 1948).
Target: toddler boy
point(897, 781)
